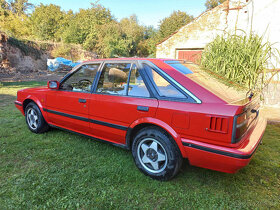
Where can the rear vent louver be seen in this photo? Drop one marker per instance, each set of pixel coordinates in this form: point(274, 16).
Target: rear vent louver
point(218, 124)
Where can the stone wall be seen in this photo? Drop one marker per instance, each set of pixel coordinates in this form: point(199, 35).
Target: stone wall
point(271, 93)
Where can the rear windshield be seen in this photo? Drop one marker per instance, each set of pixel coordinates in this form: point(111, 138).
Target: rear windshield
point(226, 91)
point(179, 66)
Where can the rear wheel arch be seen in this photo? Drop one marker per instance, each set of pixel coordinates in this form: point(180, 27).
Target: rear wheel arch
point(132, 132)
point(155, 153)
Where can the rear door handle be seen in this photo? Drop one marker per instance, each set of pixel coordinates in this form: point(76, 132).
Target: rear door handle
point(81, 100)
point(143, 108)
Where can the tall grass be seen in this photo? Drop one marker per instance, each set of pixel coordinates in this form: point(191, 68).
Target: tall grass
point(242, 59)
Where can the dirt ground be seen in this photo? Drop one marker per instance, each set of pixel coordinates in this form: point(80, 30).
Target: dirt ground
point(272, 114)
point(32, 76)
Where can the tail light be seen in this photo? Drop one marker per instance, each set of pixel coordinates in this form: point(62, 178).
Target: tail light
point(242, 123)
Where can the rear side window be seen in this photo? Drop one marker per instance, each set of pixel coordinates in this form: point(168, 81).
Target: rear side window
point(122, 79)
point(179, 66)
point(137, 86)
point(113, 79)
point(163, 87)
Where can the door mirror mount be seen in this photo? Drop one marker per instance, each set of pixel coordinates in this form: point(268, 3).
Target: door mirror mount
point(53, 85)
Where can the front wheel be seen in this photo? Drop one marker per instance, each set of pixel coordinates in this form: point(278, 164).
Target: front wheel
point(34, 119)
point(156, 154)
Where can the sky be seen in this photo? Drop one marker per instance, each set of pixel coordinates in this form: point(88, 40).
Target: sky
point(149, 12)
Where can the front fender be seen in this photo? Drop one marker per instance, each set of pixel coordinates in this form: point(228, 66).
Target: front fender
point(163, 125)
point(39, 104)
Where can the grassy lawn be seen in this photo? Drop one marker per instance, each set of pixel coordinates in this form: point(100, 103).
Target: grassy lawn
point(63, 170)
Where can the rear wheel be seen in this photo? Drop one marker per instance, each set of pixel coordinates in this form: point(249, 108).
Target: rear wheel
point(156, 154)
point(34, 119)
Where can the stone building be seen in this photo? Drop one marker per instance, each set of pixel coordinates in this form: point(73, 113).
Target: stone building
point(262, 17)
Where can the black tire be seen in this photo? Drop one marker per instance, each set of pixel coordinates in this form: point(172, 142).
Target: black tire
point(33, 110)
point(151, 161)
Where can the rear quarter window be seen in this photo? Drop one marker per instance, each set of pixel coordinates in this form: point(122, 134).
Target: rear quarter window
point(179, 66)
point(162, 86)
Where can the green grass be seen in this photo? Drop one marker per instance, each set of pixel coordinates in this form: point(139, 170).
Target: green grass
point(63, 170)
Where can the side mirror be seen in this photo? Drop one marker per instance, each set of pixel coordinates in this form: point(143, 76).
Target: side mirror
point(53, 85)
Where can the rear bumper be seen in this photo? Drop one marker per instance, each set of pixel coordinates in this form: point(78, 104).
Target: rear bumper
point(225, 159)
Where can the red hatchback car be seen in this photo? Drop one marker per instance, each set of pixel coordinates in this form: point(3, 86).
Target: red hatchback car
point(153, 108)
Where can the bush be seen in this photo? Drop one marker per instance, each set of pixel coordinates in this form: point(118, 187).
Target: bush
point(62, 51)
point(242, 59)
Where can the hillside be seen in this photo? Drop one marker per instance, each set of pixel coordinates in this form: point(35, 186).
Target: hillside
point(22, 60)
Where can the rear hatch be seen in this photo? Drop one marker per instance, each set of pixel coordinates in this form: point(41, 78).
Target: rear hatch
point(229, 92)
point(232, 94)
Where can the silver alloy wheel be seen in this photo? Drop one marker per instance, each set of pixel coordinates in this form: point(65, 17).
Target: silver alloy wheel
point(152, 155)
point(32, 118)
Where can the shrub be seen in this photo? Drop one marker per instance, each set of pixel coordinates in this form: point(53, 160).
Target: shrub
point(242, 59)
point(62, 50)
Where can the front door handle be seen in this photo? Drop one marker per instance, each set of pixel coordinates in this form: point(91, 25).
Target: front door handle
point(143, 108)
point(81, 100)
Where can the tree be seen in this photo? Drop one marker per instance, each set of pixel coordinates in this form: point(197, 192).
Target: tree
point(111, 41)
point(209, 4)
point(14, 21)
point(172, 23)
point(46, 21)
point(147, 47)
point(83, 25)
point(20, 7)
point(4, 6)
point(133, 33)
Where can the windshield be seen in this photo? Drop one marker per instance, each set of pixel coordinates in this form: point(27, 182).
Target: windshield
point(179, 66)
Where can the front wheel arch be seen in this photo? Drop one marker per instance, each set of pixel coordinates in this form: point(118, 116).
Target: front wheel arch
point(35, 117)
point(37, 102)
point(26, 102)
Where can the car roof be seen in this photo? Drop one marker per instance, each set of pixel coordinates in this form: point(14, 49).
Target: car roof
point(133, 59)
point(189, 84)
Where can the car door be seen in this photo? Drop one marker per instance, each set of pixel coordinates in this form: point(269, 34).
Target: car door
point(121, 96)
point(68, 106)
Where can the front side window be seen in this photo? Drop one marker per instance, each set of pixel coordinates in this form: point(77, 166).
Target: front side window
point(81, 80)
point(113, 79)
point(163, 87)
